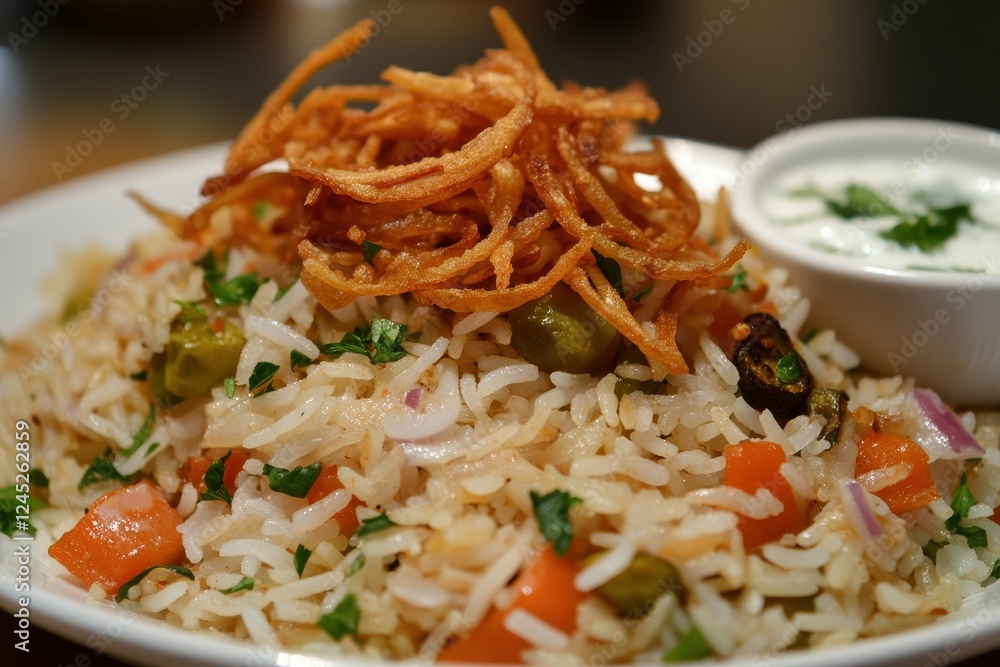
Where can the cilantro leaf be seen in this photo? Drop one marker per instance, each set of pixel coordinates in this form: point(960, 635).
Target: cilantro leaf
point(240, 289)
point(861, 202)
point(611, 269)
point(974, 535)
point(214, 485)
point(381, 341)
point(295, 482)
point(343, 620)
point(387, 338)
point(374, 525)
point(961, 503)
point(931, 230)
point(357, 563)
point(297, 360)
point(995, 572)
point(9, 500)
point(638, 297)
point(101, 469)
point(244, 584)
point(300, 558)
point(38, 478)
point(230, 385)
point(789, 368)
point(809, 335)
point(552, 515)
point(369, 250)
point(142, 435)
point(739, 281)
point(261, 377)
point(211, 266)
point(190, 312)
point(692, 646)
point(127, 586)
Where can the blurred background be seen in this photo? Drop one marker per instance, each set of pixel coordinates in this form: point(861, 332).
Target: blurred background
point(124, 80)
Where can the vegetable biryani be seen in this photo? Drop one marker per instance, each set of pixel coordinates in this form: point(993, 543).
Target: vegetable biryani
point(444, 367)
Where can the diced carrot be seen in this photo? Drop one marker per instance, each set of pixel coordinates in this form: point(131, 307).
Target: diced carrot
point(878, 450)
point(755, 465)
point(546, 591)
point(327, 483)
point(234, 464)
point(194, 470)
point(995, 518)
point(124, 532)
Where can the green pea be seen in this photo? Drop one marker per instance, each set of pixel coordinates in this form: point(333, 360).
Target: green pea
point(196, 359)
point(646, 578)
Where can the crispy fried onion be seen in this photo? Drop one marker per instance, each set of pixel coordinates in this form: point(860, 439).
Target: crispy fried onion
point(481, 190)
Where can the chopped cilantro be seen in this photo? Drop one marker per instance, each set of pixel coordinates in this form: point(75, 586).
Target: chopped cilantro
point(369, 250)
point(190, 312)
point(357, 563)
point(552, 515)
point(374, 525)
point(300, 559)
point(809, 335)
point(789, 368)
point(214, 485)
point(244, 584)
point(261, 378)
point(611, 270)
point(861, 202)
point(295, 482)
point(38, 478)
point(260, 209)
point(101, 469)
point(230, 385)
point(692, 646)
point(240, 289)
point(343, 620)
point(974, 535)
point(9, 518)
point(932, 548)
point(153, 446)
point(995, 572)
point(961, 503)
point(381, 341)
point(739, 281)
point(638, 297)
point(931, 230)
point(298, 360)
point(127, 586)
point(142, 435)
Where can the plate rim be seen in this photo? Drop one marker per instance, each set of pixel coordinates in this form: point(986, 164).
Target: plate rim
point(70, 613)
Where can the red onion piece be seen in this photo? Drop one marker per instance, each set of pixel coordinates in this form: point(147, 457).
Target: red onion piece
point(858, 511)
point(412, 397)
point(939, 432)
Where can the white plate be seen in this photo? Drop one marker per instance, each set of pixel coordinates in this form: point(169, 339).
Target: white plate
point(94, 209)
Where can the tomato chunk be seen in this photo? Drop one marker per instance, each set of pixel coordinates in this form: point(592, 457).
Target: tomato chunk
point(878, 450)
point(546, 591)
point(327, 483)
point(194, 470)
point(123, 533)
point(755, 465)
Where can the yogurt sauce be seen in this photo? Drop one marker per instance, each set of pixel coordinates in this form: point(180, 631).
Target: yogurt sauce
point(908, 187)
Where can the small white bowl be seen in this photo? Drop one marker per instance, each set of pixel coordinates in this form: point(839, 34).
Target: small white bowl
point(940, 327)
